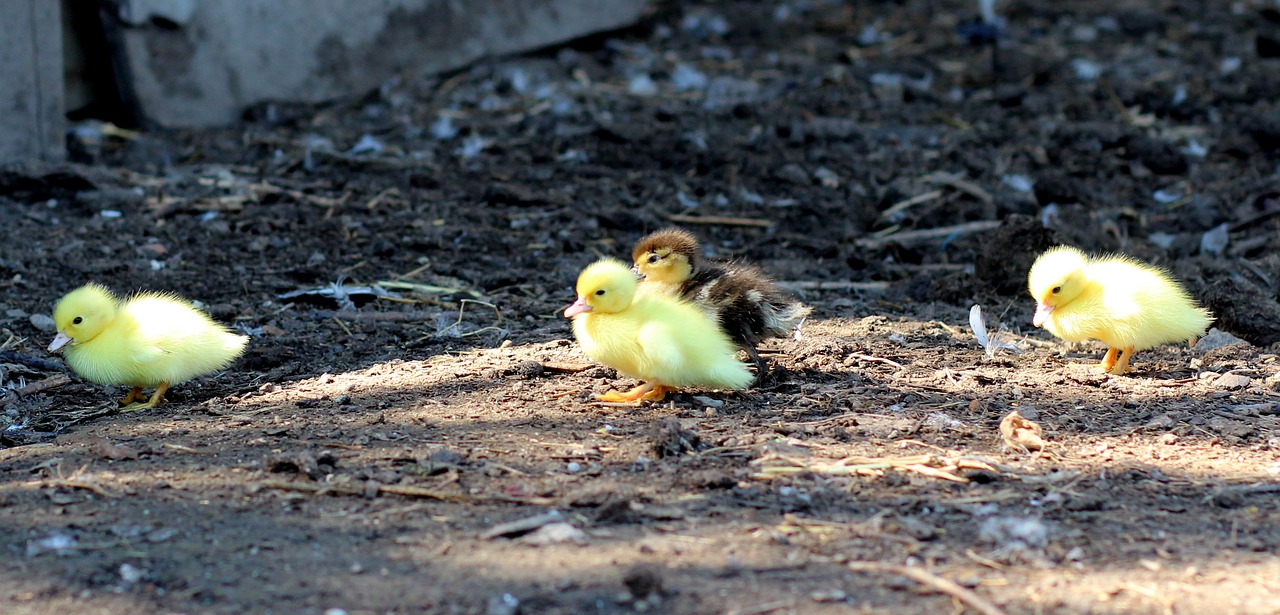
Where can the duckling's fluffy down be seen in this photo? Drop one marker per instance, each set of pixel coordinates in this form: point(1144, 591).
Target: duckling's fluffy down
point(147, 339)
point(1123, 302)
point(655, 338)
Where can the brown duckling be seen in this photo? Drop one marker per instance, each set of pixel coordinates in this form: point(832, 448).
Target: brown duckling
point(748, 305)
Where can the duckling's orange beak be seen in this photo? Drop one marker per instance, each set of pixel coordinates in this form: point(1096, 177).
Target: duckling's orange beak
point(578, 307)
point(1042, 314)
point(58, 342)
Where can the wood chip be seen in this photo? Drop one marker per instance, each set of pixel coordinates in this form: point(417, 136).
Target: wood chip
point(1021, 434)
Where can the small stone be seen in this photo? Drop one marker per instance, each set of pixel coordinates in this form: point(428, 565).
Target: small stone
point(643, 581)
point(833, 595)
point(506, 604)
point(1232, 382)
point(554, 533)
point(1215, 338)
point(529, 370)
point(793, 173)
point(1168, 438)
point(43, 322)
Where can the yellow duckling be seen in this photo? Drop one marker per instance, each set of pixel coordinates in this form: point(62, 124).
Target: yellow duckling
point(661, 340)
point(149, 340)
point(1126, 304)
point(746, 303)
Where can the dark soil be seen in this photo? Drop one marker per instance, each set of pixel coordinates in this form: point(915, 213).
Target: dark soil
point(404, 454)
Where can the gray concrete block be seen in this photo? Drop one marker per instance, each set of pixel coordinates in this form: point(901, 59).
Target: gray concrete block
point(225, 55)
point(32, 123)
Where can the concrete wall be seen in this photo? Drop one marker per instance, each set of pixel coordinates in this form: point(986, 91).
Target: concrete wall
point(31, 107)
point(225, 55)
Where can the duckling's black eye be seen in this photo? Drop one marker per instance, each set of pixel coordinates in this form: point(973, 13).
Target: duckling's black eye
point(600, 292)
point(77, 320)
point(1056, 289)
point(653, 258)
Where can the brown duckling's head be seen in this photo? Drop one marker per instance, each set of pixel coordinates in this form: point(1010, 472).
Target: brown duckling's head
point(668, 256)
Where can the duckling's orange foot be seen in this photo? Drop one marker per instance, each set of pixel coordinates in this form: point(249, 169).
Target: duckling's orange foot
point(1109, 362)
point(134, 395)
point(644, 392)
point(1121, 366)
point(156, 399)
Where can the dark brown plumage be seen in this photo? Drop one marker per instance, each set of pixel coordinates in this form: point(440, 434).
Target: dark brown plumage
point(747, 304)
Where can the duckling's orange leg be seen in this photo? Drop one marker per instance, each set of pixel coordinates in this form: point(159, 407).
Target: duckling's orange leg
point(656, 394)
point(134, 395)
point(645, 392)
point(1122, 365)
point(156, 399)
point(1109, 361)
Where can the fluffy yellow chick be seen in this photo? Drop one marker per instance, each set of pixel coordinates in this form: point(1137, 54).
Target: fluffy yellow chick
point(661, 340)
point(746, 303)
point(149, 340)
point(1126, 304)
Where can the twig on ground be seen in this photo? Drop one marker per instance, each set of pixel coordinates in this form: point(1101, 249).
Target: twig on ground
point(950, 588)
point(375, 316)
point(907, 203)
point(566, 368)
point(961, 184)
point(401, 490)
point(416, 287)
point(36, 387)
point(908, 238)
point(777, 466)
point(877, 359)
point(837, 285)
point(761, 609)
point(720, 221)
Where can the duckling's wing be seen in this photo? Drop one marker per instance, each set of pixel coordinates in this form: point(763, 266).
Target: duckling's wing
point(161, 327)
point(1126, 287)
point(148, 354)
point(661, 347)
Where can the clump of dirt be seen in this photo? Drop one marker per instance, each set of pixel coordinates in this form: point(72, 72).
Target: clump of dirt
point(1007, 253)
point(1244, 309)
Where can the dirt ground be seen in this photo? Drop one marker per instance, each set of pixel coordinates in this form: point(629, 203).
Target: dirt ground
point(438, 451)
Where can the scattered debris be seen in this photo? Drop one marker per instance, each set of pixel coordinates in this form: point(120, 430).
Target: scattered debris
point(56, 542)
point(1214, 241)
point(1020, 433)
point(992, 342)
point(409, 491)
point(343, 295)
point(643, 581)
point(506, 604)
point(1015, 537)
point(776, 466)
point(554, 533)
point(670, 439)
point(303, 463)
point(106, 449)
point(933, 581)
point(523, 526)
